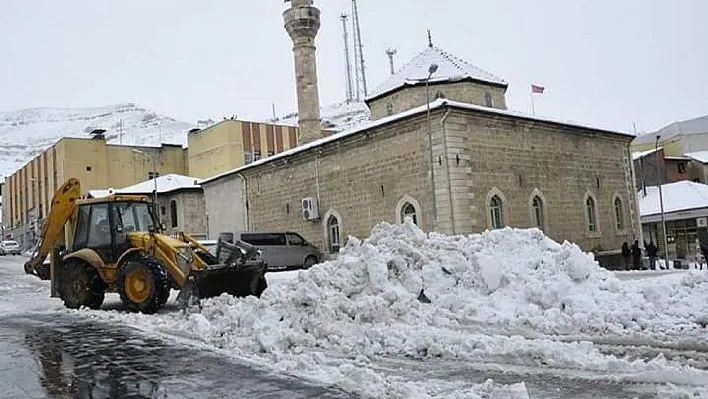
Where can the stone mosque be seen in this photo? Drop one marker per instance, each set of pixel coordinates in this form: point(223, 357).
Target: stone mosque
point(467, 166)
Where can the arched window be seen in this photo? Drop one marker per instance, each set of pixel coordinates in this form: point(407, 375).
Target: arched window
point(440, 95)
point(389, 109)
point(173, 213)
point(619, 214)
point(537, 205)
point(495, 209)
point(333, 234)
point(592, 215)
point(488, 99)
point(408, 210)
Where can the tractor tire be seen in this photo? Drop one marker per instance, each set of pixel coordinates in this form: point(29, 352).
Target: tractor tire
point(81, 285)
point(143, 285)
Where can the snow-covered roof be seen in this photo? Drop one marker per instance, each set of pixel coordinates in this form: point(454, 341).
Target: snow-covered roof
point(450, 69)
point(678, 196)
point(439, 103)
point(700, 156)
point(641, 154)
point(688, 127)
point(165, 184)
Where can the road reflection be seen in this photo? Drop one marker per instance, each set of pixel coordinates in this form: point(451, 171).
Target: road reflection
point(91, 374)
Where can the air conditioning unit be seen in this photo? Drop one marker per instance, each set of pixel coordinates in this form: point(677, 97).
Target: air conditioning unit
point(309, 209)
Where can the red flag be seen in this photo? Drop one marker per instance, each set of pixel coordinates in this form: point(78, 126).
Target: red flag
point(537, 89)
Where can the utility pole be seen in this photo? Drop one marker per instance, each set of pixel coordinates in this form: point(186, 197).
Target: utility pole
point(431, 70)
point(661, 201)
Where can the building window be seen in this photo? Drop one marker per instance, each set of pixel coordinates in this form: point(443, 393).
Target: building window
point(619, 214)
point(163, 211)
point(256, 155)
point(495, 209)
point(333, 233)
point(538, 212)
point(247, 157)
point(389, 109)
point(153, 175)
point(488, 99)
point(440, 95)
point(592, 215)
point(681, 166)
point(408, 210)
point(173, 213)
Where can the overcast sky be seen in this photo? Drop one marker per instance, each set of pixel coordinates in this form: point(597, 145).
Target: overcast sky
point(604, 62)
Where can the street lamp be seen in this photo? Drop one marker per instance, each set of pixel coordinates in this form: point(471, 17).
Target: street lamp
point(154, 176)
point(431, 70)
point(661, 201)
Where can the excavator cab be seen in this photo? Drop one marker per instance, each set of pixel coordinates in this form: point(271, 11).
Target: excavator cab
point(116, 244)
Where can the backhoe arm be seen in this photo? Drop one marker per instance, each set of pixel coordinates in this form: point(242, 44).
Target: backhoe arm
point(61, 210)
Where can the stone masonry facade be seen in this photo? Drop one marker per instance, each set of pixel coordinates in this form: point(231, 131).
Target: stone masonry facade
point(480, 154)
point(361, 181)
point(190, 209)
point(367, 178)
point(467, 92)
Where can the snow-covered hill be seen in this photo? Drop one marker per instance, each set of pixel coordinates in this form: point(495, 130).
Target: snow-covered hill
point(25, 133)
point(336, 117)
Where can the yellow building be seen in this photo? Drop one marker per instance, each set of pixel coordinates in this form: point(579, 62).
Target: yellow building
point(232, 143)
point(97, 165)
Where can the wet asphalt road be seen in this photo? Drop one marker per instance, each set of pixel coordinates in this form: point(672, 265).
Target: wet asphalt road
point(47, 354)
point(41, 357)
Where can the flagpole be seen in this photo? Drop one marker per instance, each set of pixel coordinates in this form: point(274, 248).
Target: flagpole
point(533, 108)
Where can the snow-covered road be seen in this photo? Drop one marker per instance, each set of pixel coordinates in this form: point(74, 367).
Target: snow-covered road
point(546, 325)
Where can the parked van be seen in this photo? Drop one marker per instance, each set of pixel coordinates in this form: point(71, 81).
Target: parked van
point(280, 250)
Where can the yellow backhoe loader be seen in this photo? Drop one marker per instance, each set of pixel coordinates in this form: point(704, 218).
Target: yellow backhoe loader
point(116, 244)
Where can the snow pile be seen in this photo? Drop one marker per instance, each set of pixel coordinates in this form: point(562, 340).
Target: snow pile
point(508, 277)
point(404, 294)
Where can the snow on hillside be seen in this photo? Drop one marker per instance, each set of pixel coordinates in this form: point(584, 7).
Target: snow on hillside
point(25, 133)
point(337, 117)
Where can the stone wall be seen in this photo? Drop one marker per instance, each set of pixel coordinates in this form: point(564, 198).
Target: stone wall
point(368, 177)
point(191, 212)
point(360, 180)
point(518, 159)
point(414, 96)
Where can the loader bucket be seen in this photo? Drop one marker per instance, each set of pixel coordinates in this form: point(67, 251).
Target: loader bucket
point(214, 280)
point(236, 270)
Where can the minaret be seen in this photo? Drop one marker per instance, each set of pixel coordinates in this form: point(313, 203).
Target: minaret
point(302, 21)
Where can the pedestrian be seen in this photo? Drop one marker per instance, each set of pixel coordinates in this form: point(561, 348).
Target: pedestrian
point(626, 255)
point(704, 251)
point(636, 255)
point(652, 252)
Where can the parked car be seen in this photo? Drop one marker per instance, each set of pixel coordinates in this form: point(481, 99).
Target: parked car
point(280, 250)
point(10, 247)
